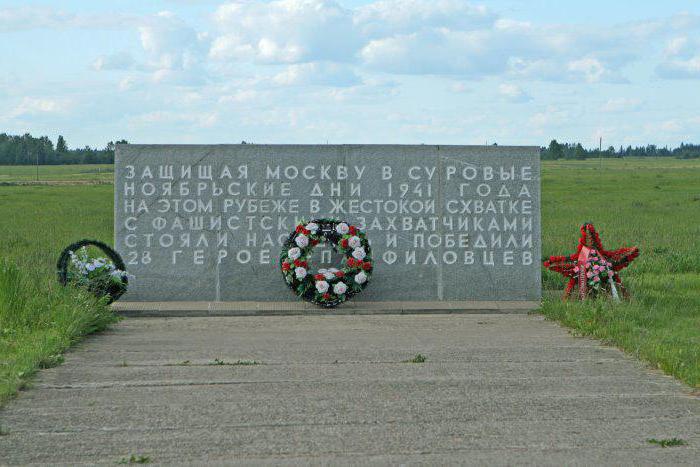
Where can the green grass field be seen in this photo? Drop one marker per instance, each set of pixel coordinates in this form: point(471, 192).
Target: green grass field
point(56, 173)
point(651, 203)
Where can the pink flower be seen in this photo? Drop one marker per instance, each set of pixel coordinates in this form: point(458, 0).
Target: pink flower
point(596, 279)
point(610, 273)
point(589, 274)
point(576, 269)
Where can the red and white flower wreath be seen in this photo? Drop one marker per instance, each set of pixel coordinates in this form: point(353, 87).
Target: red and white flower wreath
point(332, 286)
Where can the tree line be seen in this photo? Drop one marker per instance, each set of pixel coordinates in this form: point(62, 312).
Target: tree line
point(28, 150)
point(576, 151)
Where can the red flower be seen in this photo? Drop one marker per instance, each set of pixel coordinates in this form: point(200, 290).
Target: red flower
point(340, 274)
point(326, 296)
point(366, 265)
point(297, 262)
point(306, 231)
point(344, 243)
point(300, 228)
point(353, 230)
point(314, 242)
point(285, 266)
point(351, 262)
point(319, 277)
point(304, 264)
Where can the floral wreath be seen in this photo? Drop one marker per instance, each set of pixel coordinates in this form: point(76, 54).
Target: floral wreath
point(103, 276)
point(327, 287)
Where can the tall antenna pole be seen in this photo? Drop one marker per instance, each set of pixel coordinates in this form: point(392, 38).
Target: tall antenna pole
point(600, 153)
point(37, 166)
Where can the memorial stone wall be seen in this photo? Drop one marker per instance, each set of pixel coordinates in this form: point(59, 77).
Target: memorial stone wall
point(446, 223)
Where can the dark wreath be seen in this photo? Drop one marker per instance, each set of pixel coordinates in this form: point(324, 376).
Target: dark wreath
point(112, 290)
point(328, 287)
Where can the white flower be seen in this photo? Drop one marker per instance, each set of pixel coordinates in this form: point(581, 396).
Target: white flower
point(300, 273)
point(361, 277)
point(322, 286)
point(301, 240)
point(90, 267)
point(333, 270)
point(340, 288)
point(342, 228)
point(354, 242)
point(294, 253)
point(322, 271)
point(329, 275)
point(359, 253)
point(312, 227)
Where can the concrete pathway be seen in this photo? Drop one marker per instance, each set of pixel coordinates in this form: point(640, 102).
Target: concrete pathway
point(495, 389)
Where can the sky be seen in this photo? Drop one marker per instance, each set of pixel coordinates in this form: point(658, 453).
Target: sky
point(518, 72)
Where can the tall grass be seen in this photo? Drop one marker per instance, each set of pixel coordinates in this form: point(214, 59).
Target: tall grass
point(38, 322)
point(39, 319)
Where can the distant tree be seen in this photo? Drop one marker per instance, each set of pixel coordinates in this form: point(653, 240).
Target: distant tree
point(61, 146)
point(555, 150)
point(579, 152)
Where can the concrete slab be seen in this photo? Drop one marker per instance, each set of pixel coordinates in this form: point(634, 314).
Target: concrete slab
point(498, 390)
point(298, 307)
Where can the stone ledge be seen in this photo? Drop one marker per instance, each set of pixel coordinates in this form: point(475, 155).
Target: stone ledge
point(244, 308)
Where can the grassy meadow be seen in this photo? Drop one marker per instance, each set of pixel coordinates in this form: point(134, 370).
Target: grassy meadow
point(651, 203)
point(96, 173)
point(655, 205)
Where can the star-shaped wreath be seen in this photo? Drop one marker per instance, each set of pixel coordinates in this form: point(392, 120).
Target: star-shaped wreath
point(574, 267)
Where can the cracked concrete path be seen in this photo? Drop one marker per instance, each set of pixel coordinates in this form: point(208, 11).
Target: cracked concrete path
point(495, 389)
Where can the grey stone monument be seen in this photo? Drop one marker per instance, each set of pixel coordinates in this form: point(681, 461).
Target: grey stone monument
point(451, 227)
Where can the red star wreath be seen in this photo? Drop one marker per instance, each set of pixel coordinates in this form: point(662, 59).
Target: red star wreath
point(592, 267)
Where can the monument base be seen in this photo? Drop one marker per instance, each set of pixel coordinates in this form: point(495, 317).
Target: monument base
point(170, 309)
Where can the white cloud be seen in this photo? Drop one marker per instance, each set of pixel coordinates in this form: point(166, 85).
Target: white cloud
point(35, 106)
point(117, 61)
point(391, 17)
point(460, 87)
point(671, 126)
point(240, 96)
point(317, 73)
point(679, 46)
point(621, 104)
point(345, 64)
point(284, 31)
point(439, 51)
point(514, 93)
point(37, 17)
point(160, 117)
point(589, 68)
point(502, 46)
point(682, 59)
point(172, 51)
point(552, 117)
point(366, 93)
point(127, 83)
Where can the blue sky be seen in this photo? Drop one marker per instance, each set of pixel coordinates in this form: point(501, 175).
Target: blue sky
point(352, 71)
